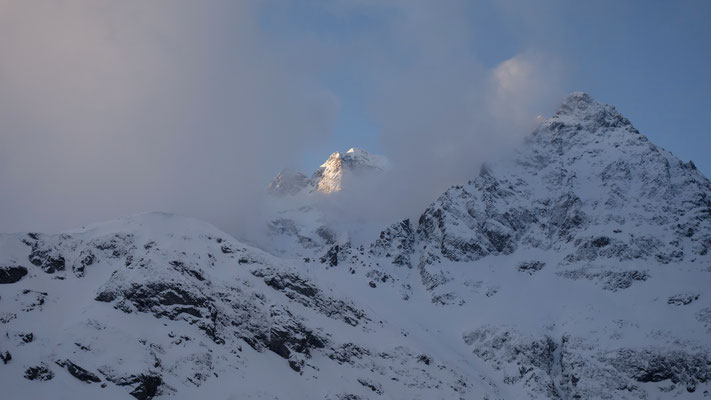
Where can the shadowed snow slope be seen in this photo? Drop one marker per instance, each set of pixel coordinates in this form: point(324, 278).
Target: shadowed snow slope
point(576, 269)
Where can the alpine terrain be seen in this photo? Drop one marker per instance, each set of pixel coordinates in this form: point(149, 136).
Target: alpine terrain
point(300, 227)
point(577, 268)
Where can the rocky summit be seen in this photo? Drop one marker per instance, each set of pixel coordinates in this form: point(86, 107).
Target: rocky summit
point(576, 268)
point(331, 176)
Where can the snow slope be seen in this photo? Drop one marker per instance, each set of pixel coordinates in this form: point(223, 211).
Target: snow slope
point(162, 305)
point(578, 268)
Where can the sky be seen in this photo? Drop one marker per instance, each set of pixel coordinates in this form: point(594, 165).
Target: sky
point(112, 108)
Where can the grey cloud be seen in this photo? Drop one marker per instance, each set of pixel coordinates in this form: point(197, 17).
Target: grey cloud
point(113, 108)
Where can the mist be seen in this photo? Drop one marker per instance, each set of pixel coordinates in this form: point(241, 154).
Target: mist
point(109, 109)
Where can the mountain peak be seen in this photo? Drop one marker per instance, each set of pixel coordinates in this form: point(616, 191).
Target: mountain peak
point(329, 177)
point(357, 151)
point(581, 112)
point(581, 104)
point(356, 157)
point(576, 101)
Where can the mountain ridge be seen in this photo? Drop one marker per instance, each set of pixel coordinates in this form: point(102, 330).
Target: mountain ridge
point(575, 268)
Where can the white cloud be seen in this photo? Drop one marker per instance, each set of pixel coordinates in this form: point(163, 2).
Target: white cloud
point(522, 87)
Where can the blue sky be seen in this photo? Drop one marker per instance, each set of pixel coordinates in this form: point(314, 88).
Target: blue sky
point(651, 59)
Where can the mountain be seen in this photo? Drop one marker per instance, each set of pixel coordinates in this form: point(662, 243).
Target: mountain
point(159, 305)
point(595, 237)
point(330, 177)
point(576, 268)
point(302, 224)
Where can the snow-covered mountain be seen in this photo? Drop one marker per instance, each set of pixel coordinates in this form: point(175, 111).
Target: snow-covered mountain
point(302, 224)
point(578, 268)
point(331, 176)
point(339, 167)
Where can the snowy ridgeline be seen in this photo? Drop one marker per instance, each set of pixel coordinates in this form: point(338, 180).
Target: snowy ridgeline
point(577, 269)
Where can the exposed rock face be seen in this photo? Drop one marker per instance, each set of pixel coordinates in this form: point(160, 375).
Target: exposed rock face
point(12, 274)
point(563, 368)
point(145, 386)
point(531, 267)
point(396, 243)
point(148, 387)
point(683, 299)
point(40, 372)
point(79, 372)
point(658, 365)
point(534, 357)
point(44, 255)
point(307, 294)
point(330, 176)
point(608, 280)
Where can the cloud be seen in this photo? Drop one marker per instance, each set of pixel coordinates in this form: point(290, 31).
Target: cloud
point(444, 111)
point(440, 129)
point(112, 108)
point(522, 87)
point(440, 109)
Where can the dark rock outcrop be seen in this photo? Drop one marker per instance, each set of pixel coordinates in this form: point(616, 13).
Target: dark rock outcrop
point(397, 243)
point(309, 295)
point(147, 385)
point(331, 256)
point(40, 372)
point(44, 255)
point(159, 298)
point(610, 280)
point(531, 267)
point(12, 274)
point(78, 372)
point(682, 299)
point(657, 365)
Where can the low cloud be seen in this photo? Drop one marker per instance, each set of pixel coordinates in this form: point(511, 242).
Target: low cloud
point(113, 108)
